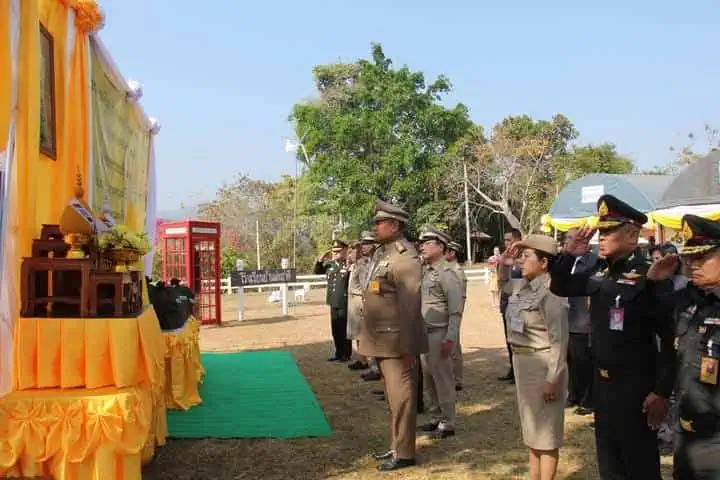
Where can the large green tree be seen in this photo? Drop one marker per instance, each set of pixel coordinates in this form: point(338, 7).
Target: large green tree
point(376, 131)
point(519, 170)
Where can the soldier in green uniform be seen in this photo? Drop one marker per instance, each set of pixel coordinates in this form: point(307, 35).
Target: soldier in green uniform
point(442, 304)
point(335, 267)
point(453, 250)
point(697, 319)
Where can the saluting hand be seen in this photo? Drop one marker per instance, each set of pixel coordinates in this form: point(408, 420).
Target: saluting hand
point(663, 268)
point(656, 409)
point(579, 245)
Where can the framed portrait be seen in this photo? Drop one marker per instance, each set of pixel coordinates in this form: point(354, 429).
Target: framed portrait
point(48, 137)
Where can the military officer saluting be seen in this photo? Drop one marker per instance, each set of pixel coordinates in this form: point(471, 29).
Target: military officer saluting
point(338, 274)
point(634, 373)
point(451, 255)
point(697, 316)
point(392, 329)
point(442, 305)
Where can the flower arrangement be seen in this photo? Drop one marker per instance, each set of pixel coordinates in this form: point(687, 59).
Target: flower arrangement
point(121, 237)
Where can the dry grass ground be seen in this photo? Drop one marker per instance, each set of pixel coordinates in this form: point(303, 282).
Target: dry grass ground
point(488, 444)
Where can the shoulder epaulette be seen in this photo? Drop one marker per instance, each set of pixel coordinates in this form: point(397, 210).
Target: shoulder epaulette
point(400, 246)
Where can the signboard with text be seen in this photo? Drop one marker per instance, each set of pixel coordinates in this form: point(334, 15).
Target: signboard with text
point(262, 277)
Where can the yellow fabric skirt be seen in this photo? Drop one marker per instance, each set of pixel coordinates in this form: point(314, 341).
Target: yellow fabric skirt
point(101, 434)
point(88, 352)
point(183, 369)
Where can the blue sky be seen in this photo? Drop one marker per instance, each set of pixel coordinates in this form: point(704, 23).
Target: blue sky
point(222, 76)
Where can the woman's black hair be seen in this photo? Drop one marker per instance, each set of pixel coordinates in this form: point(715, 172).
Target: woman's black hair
point(546, 256)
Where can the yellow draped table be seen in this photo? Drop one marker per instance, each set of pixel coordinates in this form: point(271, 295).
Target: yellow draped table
point(89, 400)
point(183, 369)
point(79, 434)
point(88, 352)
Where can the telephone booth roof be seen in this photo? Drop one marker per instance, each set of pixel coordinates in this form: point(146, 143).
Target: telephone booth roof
point(194, 228)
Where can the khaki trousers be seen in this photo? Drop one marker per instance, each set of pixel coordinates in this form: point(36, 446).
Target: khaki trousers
point(457, 357)
point(401, 394)
point(439, 378)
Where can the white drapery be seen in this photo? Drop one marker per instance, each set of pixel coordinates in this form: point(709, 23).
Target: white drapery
point(8, 216)
point(151, 207)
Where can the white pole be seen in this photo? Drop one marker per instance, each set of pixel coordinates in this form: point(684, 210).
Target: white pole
point(467, 217)
point(284, 263)
point(240, 266)
point(257, 242)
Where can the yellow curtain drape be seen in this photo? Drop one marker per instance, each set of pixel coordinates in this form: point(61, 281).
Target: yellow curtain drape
point(77, 158)
point(5, 66)
point(675, 221)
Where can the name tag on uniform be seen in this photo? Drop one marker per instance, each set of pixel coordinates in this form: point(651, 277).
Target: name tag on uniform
point(517, 324)
point(709, 370)
point(617, 319)
point(374, 286)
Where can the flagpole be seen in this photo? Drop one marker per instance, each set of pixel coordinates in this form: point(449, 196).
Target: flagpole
point(292, 147)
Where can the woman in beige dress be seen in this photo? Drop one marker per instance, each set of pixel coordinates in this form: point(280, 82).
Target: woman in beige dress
point(538, 335)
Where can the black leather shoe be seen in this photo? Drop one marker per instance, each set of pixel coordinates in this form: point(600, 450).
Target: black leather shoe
point(371, 376)
point(334, 359)
point(510, 376)
point(358, 365)
point(440, 434)
point(583, 411)
point(396, 464)
point(384, 455)
point(429, 427)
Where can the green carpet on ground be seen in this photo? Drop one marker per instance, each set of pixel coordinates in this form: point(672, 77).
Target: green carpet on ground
point(251, 395)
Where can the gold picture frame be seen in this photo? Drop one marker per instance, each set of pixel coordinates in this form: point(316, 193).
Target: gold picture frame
point(48, 131)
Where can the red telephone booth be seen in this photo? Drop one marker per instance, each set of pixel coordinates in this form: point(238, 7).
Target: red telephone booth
point(191, 253)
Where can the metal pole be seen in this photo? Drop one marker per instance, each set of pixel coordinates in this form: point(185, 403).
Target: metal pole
point(467, 217)
point(257, 242)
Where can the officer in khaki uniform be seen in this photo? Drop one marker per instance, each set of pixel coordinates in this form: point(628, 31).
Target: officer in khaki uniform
point(356, 288)
point(454, 248)
point(392, 329)
point(442, 304)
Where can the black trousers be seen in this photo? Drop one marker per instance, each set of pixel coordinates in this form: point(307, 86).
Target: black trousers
point(697, 458)
point(503, 307)
point(580, 369)
point(338, 325)
point(626, 447)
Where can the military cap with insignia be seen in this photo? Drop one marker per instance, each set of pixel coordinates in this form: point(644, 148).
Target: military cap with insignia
point(385, 211)
point(430, 233)
point(701, 235)
point(367, 237)
point(339, 245)
point(613, 213)
point(455, 246)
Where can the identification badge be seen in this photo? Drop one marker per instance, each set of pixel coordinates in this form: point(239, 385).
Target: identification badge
point(517, 324)
point(374, 286)
point(709, 370)
point(617, 319)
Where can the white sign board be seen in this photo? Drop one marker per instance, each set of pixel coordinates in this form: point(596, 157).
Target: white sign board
point(592, 193)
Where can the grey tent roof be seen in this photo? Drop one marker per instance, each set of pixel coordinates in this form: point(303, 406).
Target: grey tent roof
point(697, 184)
point(579, 198)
